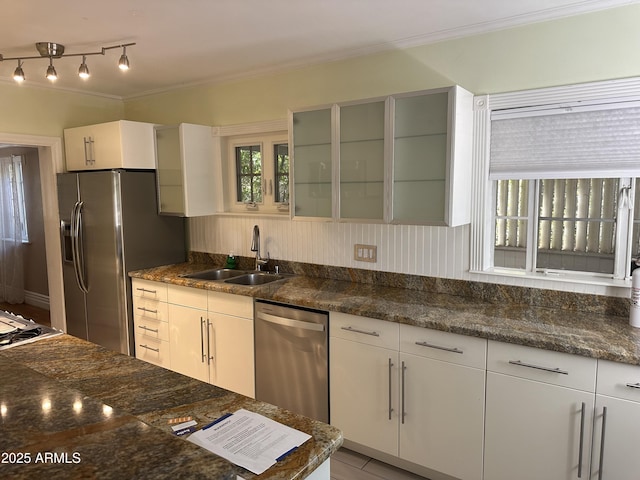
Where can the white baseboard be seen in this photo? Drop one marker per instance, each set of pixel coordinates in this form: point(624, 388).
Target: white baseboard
point(36, 299)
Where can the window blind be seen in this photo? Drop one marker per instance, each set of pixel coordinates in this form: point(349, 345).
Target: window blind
point(566, 142)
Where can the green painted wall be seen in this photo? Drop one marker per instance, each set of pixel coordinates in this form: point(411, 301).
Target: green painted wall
point(42, 111)
point(590, 47)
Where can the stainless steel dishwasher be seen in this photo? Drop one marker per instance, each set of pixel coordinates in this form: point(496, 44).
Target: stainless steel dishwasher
point(292, 358)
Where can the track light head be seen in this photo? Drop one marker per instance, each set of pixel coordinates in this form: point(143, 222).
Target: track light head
point(18, 73)
point(83, 71)
point(123, 63)
point(51, 71)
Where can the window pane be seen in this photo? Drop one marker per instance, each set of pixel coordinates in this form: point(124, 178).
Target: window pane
point(249, 174)
point(577, 224)
point(281, 156)
point(512, 200)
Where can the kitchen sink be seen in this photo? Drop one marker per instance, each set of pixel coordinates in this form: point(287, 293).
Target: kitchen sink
point(255, 278)
point(215, 274)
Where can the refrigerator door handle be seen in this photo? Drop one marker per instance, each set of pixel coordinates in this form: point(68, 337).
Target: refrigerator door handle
point(77, 246)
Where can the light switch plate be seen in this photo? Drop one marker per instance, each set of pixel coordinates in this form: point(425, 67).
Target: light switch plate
point(365, 253)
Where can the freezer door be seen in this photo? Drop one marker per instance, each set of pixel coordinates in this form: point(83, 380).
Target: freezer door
point(74, 298)
point(102, 234)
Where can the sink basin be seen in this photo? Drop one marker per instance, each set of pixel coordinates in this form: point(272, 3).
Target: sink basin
point(215, 274)
point(256, 278)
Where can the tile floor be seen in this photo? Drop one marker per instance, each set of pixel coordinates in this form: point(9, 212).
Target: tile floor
point(349, 465)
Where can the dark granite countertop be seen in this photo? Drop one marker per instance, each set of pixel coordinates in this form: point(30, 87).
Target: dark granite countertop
point(589, 334)
point(80, 411)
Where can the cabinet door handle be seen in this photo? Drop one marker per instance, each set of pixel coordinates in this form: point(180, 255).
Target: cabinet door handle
point(581, 445)
point(202, 339)
point(404, 412)
point(209, 357)
point(144, 327)
point(144, 290)
point(157, 350)
point(537, 367)
point(355, 330)
point(270, 187)
point(438, 347)
point(147, 310)
point(604, 426)
point(390, 408)
point(633, 385)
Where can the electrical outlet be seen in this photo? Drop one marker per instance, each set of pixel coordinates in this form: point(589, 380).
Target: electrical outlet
point(365, 253)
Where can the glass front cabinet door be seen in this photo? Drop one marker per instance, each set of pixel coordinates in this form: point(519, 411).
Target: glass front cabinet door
point(402, 159)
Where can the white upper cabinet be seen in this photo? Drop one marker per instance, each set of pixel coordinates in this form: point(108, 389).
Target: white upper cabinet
point(312, 139)
point(432, 135)
point(362, 161)
point(185, 170)
point(121, 144)
point(402, 159)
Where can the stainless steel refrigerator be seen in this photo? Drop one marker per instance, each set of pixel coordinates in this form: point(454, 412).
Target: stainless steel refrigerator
point(109, 226)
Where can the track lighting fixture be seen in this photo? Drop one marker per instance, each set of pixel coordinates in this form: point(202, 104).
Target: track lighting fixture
point(18, 73)
point(52, 51)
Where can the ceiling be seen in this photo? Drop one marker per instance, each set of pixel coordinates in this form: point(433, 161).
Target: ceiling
point(188, 42)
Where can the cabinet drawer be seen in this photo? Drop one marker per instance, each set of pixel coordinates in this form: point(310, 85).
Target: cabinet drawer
point(153, 351)
point(149, 289)
point(370, 331)
point(618, 380)
point(150, 328)
point(445, 346)
point(154, 309)
point(187, 296)
point(230, 304)
point(555, 368)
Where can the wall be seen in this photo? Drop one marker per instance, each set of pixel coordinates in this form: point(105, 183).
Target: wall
point(583, 48)
point(44, 111)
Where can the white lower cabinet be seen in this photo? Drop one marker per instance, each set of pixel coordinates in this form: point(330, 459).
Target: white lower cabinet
point(231, 342)
point(409, 392)
point(617, 419)
point(202, 334)
point(539, 414)
point(442, 392)
point(188, 331)
point(151, 328)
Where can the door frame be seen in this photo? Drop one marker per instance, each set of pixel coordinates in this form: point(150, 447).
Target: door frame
point(51, 162)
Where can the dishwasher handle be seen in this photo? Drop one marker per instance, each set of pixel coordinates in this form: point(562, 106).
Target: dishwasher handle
point(289, 322)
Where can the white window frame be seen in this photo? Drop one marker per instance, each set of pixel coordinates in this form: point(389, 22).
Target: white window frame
point(267, 142)
point(483, 223)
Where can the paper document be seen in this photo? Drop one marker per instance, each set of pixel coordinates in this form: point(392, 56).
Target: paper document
point(249, 440)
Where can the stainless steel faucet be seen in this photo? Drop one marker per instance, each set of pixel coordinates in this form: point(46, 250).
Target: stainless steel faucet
point(255, 247)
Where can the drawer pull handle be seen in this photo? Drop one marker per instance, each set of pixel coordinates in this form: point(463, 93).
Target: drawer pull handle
point(146, 291)
point(438, 347)
point(144, 327)
point(538, 367)
point(157, 350)
point(355, 330)
point(633, 385)
point(147, 310)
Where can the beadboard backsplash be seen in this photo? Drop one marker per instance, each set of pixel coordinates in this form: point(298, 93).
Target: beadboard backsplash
point(410, 249)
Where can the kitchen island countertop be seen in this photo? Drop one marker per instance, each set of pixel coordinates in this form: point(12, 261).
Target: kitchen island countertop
point(588, 334)
point(72, 409)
